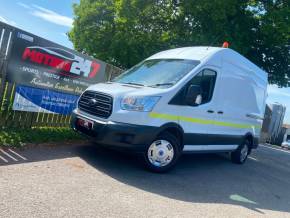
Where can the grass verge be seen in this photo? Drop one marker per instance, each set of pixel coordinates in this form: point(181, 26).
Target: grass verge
point(21, 137)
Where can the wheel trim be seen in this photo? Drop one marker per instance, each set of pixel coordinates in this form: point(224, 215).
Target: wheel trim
point(244, 153)
point(160, 153)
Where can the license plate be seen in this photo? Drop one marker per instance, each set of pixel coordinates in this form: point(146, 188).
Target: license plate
point(85, 123)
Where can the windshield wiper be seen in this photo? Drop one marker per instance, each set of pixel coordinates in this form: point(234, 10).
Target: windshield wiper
point(136, 84)
point(162, 84)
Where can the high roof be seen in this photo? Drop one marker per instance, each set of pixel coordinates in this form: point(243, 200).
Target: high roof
point(214, 54)
point(194, 53)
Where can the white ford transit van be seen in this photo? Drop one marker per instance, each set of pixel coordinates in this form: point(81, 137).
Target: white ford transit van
point(193, 99)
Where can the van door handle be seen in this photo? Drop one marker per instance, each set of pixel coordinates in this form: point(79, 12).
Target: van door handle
point(220, 112)
point(210, 111)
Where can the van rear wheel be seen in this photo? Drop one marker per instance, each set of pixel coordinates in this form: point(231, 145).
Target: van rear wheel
point(240, 155)
point(162, 154)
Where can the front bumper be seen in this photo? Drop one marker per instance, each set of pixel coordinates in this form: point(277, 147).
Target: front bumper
point(116, 134)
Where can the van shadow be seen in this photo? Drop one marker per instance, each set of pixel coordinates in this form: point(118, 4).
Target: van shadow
point(198, 178)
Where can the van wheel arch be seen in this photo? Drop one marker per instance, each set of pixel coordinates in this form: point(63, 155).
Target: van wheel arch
point(249, 136)
point(174, 129)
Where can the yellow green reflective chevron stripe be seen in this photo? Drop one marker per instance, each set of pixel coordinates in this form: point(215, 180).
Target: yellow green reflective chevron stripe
point(199, 121)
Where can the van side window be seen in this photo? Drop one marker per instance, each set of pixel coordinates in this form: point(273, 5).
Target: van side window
point(206, 80)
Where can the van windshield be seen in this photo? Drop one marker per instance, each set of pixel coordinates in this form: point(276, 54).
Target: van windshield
point(161, 73)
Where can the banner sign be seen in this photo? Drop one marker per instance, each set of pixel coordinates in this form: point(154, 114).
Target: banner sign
point(37, 62)
point(43, 100)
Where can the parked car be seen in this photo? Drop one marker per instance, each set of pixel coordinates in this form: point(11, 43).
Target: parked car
point(286, 144)
point(193, 99)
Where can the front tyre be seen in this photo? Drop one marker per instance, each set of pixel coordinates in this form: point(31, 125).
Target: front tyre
point(162, 154)
point(240, 155)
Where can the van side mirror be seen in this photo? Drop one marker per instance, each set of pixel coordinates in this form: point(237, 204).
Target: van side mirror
point(193, 95)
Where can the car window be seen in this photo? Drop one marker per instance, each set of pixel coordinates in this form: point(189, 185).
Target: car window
point(206, 80)
point(62, 52)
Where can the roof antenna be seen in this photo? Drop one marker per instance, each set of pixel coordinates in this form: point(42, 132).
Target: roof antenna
point(215, 39)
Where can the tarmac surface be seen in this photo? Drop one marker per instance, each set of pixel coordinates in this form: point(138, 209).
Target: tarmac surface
point(89, 181)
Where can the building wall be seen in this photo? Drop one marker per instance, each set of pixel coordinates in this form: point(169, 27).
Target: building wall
point(266, 125)
point(272, 131)
point(275, 128)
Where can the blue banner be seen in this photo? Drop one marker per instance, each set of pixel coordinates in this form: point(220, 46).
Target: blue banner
point(43, 100)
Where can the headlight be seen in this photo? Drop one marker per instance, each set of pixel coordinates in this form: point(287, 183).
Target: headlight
point(145, 103)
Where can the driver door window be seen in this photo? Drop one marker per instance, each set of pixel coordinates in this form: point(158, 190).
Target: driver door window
point(206, 80)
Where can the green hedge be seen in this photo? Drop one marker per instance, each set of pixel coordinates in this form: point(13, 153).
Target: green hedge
point(20, 137)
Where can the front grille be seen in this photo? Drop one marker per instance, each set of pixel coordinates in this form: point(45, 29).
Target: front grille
point(96, 103)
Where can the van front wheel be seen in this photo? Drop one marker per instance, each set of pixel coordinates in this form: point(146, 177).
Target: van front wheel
point(162, 154)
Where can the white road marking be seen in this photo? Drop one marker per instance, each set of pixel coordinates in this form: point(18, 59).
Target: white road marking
point(276, 149)
point(8, 155)
point(2, 158)
point(252, 158)
point(241, 199)
point(14, 152)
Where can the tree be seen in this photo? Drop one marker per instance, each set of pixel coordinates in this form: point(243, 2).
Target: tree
point(124, 32)
point(271, 44)
point(120, 32)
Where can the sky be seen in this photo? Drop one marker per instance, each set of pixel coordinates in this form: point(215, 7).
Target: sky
point(52, 19)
